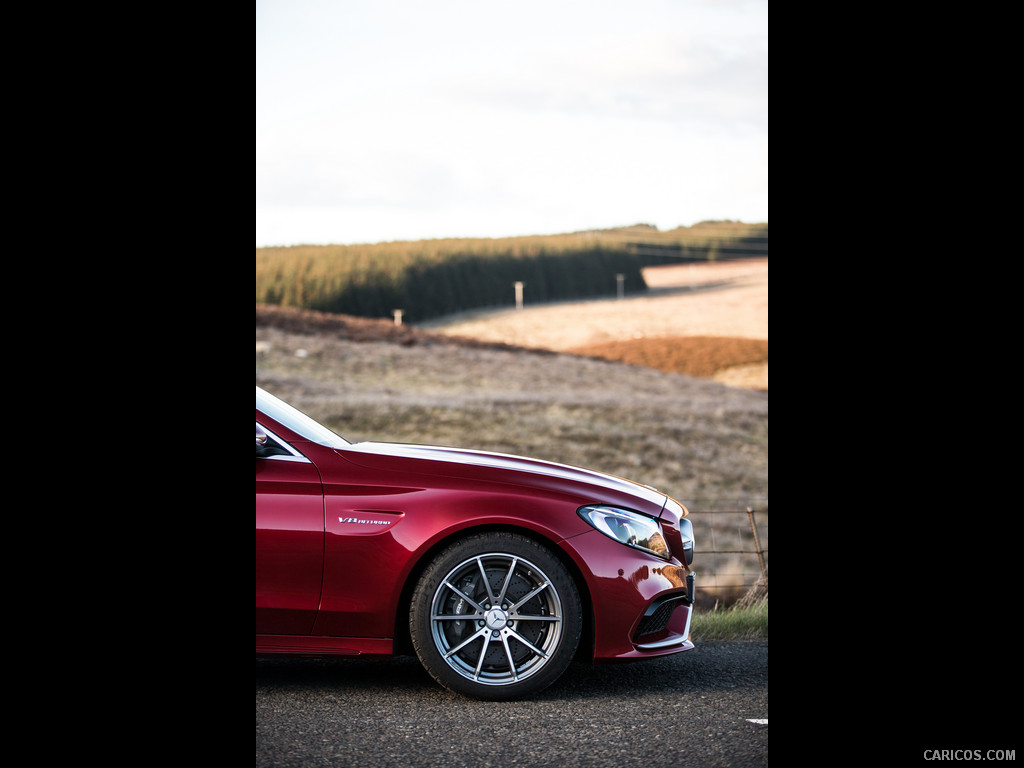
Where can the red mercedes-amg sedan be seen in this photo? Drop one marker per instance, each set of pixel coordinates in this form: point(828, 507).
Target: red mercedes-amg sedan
point(495, 570)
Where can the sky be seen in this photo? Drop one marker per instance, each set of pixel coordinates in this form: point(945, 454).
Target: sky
point(382, 120)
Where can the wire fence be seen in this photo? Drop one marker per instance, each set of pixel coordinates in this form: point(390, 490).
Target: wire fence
point(730, 550)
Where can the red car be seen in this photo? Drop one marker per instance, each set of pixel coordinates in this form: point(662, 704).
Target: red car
point(497, 571)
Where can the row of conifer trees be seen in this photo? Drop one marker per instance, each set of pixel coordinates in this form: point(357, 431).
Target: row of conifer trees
point(432, 278)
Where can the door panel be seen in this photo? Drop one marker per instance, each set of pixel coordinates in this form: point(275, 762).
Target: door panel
point(289, 545)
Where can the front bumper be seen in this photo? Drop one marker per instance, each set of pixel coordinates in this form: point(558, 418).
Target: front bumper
point(660, 627)
point(642, 605)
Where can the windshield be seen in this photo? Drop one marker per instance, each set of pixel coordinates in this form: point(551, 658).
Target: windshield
point(297, 421)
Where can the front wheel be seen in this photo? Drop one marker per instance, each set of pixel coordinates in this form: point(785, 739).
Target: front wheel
point(496, 616)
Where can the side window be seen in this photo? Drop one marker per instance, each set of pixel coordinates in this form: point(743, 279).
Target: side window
point(269, 446)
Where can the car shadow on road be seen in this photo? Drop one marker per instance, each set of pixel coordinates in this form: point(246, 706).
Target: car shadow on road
point(709, 667)
point(398, 673)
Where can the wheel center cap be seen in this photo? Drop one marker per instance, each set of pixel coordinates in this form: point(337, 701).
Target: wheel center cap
point(496, 619)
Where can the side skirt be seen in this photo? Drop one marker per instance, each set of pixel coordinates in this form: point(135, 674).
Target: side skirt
point(311, 645)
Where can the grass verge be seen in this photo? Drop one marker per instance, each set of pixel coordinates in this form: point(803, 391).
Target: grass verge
point(733, 623)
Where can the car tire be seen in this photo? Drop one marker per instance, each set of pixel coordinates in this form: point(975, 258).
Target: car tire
point(496, 616)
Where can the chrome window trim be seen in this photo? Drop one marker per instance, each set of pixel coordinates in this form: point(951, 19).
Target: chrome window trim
point(295, 455)
point(298, 422)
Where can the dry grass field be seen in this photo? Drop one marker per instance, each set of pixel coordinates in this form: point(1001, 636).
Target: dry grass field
point(708, 320)
point(537, 382)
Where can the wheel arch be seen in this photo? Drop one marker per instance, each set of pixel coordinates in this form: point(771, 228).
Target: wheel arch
point(403, 639)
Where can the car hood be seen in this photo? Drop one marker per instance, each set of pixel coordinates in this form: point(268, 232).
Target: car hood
point(458, 462)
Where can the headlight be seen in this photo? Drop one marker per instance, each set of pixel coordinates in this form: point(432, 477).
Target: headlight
point(629, 528)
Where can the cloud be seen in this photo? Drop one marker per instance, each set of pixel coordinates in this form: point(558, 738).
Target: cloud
point(373, 119)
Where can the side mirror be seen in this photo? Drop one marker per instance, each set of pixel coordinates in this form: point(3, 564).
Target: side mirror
point(261, 437)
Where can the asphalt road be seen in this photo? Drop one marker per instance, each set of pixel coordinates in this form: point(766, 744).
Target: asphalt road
point(691, 709)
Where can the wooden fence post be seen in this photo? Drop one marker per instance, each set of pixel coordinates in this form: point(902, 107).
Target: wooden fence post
point(757, 544)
